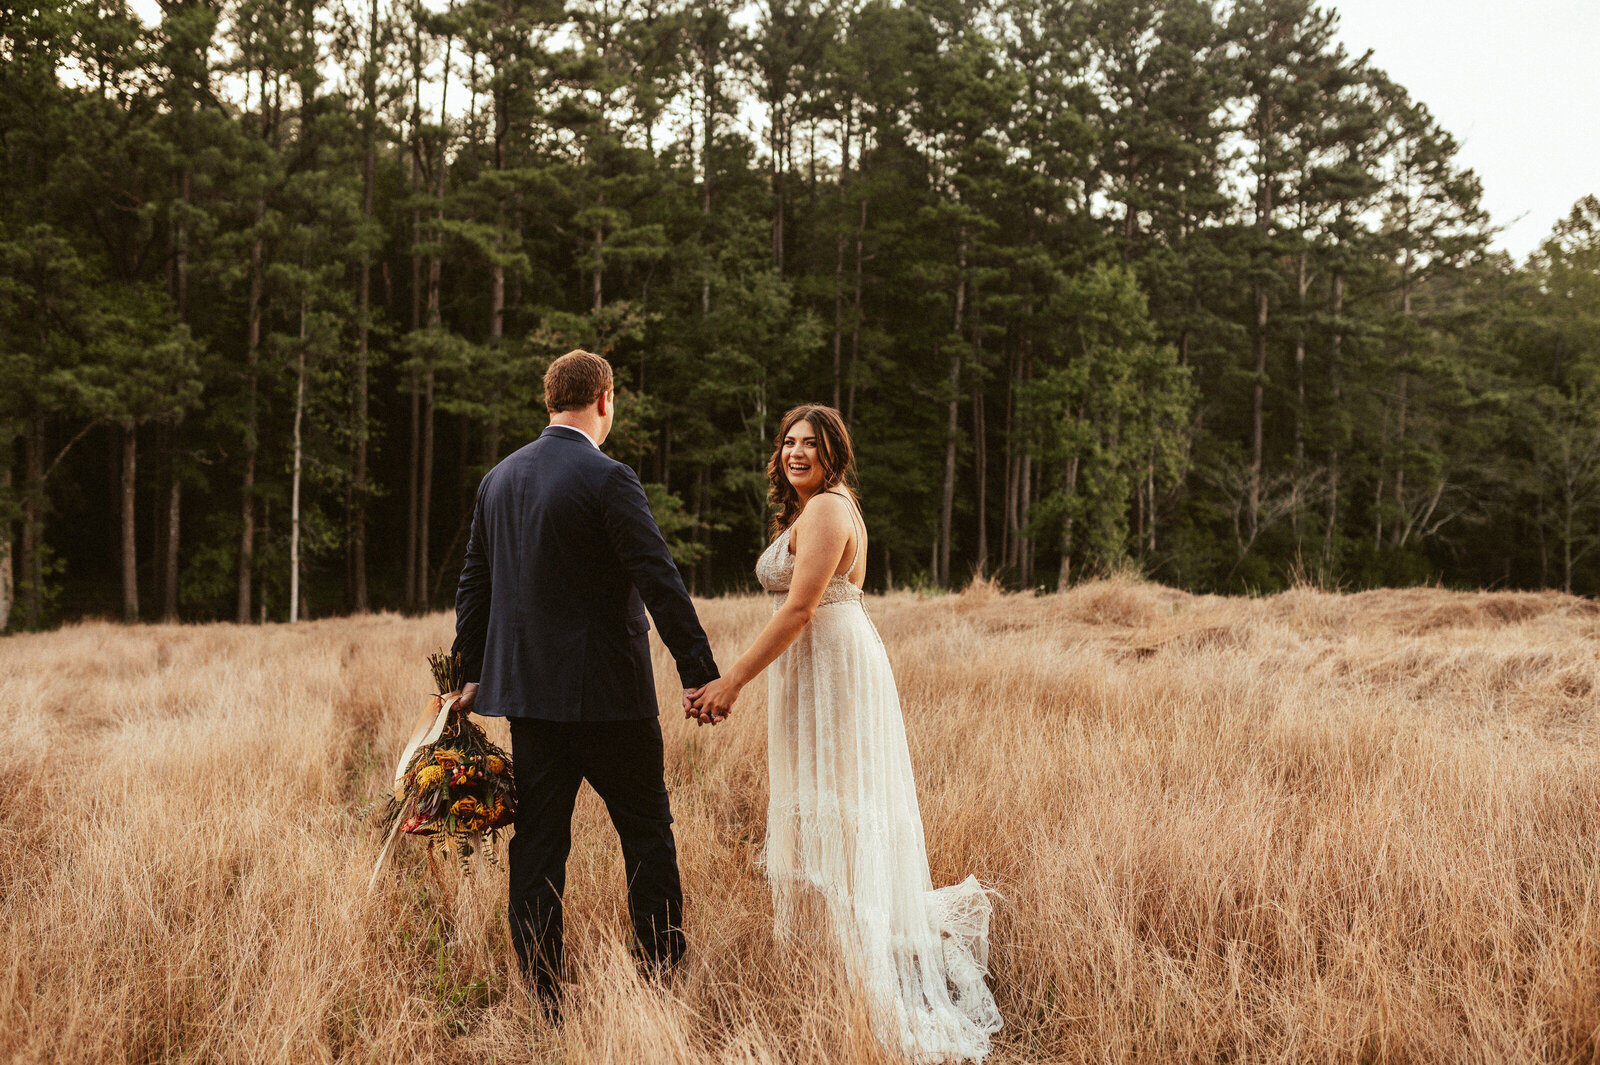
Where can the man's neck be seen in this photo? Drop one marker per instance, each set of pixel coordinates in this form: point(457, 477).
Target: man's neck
point(589, 427)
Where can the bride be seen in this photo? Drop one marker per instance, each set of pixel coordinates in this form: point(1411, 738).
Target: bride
point(844, 836)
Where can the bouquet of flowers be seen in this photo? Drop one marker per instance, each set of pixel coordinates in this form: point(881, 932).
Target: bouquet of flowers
point(452, 784)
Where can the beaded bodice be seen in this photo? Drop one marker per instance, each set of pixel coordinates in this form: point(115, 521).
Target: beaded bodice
point(775, 571)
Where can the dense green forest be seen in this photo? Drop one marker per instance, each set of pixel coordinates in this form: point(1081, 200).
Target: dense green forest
point(1176, 286)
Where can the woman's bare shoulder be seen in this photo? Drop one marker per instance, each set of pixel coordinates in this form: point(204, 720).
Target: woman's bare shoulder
point(825, 516)
point(826, 508)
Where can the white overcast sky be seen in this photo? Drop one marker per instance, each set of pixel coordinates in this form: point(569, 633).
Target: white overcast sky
point(1518, 84)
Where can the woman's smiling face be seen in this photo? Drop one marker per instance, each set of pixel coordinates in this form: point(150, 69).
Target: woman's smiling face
point(802, 458)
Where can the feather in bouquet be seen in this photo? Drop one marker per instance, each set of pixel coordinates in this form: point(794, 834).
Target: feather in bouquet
point(452, 785)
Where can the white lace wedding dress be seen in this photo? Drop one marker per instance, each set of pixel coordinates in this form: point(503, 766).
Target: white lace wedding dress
point(844, 836)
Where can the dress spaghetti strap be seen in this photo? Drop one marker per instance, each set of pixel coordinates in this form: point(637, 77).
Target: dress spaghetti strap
point(860, 524)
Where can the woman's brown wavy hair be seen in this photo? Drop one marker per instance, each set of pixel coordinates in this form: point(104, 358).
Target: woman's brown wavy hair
point(834, 449)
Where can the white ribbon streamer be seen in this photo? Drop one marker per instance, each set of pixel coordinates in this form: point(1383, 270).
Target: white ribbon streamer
point(429, 727)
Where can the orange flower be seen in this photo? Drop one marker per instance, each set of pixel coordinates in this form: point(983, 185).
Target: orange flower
point(447, 758)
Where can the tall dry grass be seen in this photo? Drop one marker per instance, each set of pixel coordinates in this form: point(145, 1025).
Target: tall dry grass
point(1305, 828)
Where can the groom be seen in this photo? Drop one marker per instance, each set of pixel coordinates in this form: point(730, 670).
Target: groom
point(563, 559)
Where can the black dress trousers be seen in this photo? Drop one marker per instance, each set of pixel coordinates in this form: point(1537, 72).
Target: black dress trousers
point(623, 762)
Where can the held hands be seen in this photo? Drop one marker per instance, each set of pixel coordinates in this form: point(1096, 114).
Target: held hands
point(469, 695)
point(712, 703)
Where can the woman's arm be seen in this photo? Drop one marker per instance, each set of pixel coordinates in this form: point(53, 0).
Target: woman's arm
point(821, 534)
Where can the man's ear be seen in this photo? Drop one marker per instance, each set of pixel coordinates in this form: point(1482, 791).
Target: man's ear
point(607, 401)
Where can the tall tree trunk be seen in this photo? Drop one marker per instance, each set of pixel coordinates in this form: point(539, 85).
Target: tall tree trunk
point(435, 271)
point(7, 573)
point(599, 260)
point(415, 454)
point(492, 432)
point(838, 317)
point(425, 489)
point(369, 164)
point(1008, 529)
point(838, 258)
point(130, 560)
point(665, 452)
point(169, 604)
point(33, 521)
point(294, 481)
point(247, 534)
point(1402, 402)
point(1336, 395)
point(1377, 508)
point(777, 188)
point(1032, 478)
point(1024, 548)
point(1257, 409)
point(952, 424)
point(1569, 505)
point(702, 532)
point(980, 461)
point(855, 314)
point(497, 272)
point(1263, 224)
point(1024, 505)
point(980, 449)
point(412, 479)
point(1138, 514)
point(416, 395)
point(1302, 282)
point(708, 129)
point(1402, 389)
point(1069, 486)
point(180, 300)
point(1150, 486)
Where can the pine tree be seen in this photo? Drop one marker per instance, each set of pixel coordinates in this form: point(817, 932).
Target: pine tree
point(1107, 413)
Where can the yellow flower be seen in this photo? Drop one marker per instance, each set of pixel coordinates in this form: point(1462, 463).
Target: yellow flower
point(447, 758)
point(495, 765)
point(429, 777)
point(467, 807)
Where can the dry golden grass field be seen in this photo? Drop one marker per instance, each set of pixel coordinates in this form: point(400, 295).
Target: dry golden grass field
point(1305, 828)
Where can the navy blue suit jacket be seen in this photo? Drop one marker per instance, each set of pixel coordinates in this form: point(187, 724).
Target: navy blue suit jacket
point(563, 559)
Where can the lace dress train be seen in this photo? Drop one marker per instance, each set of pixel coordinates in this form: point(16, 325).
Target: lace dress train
point(844, 834)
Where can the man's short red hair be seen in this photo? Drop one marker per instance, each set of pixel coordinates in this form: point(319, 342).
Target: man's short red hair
point(575, 380)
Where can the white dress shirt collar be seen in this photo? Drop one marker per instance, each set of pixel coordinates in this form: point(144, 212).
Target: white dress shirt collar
point(580, 432)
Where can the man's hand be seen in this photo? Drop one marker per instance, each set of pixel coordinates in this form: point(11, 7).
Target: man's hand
point(469, 695)
point(715, 701)
point(689, 709)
